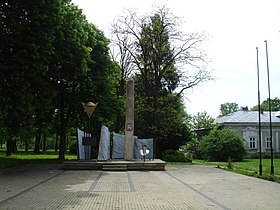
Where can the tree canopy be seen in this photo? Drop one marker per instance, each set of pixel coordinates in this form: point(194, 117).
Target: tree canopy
point(52, 59)
point(275, 105)
point(202, 121)
point(227, 108)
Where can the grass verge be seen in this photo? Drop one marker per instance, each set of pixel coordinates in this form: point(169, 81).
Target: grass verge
point(250, 167)
point(22, 157)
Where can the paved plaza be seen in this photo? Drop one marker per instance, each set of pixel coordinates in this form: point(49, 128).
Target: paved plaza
point(178, 187)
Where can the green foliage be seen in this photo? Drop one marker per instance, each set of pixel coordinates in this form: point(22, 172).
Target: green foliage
point(165, 124)
point(51, 60)
point(155, 55)
point(73, 149)
point(200, 125)
point(219, 145)
point(227, 108)
point(275, 105)
point(176, 156)
point(201, 121)
point(159, 111)
point(192, 147)
point(26, 46)
point(26, 39)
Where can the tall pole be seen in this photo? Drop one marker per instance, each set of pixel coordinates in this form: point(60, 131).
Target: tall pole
point(269, 104)
point(129, 120)
point(259, 108)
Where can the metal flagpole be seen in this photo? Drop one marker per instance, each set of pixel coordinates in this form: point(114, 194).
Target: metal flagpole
point(269, 104)
point(259, 108)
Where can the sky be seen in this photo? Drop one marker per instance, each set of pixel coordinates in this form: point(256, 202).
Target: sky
point(235, 28)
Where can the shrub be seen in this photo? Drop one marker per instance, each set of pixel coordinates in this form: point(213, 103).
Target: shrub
point(219, 145)
point(191, 148)
point(229, 165)
point(176, 156)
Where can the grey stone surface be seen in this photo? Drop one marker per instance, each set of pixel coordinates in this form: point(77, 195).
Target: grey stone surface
point(129, 120)
point(138, 145)
point(179, 187)
point(104, 144)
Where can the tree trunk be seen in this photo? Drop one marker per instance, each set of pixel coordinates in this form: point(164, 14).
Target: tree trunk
point(62, 143)
point(44, 142)
point(9, 147)
point(56, 142)
point(67, 142)
point(14, 146)
point(26, 146)
point(37, 142)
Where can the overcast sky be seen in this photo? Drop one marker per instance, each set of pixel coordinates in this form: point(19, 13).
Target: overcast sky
point(235, 28)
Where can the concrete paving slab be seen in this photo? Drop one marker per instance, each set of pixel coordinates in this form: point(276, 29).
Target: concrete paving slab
point(179, 187)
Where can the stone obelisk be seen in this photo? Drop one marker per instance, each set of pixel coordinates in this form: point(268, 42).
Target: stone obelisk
point(129, 120)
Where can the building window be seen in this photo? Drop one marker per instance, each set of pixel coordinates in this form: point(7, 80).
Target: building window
point(268, 142)
point(252, 143)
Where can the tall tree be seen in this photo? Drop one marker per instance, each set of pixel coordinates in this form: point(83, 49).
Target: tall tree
point(81, 70)
point(159, 54)
point(227, 108)
point(26, 39)
point(51, 60)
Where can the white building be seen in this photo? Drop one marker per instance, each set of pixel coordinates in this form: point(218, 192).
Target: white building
point(247, 124)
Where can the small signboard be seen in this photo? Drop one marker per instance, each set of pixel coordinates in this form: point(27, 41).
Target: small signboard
point(87, 141)
point(128, 127)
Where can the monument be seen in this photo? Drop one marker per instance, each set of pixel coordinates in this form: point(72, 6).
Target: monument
point(128, 150)
point(129, 120)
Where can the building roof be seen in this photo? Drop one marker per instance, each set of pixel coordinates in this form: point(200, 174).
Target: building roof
point(248, 117)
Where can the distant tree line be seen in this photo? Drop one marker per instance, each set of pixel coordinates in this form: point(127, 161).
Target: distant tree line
point(274, 103)
point(228, 108)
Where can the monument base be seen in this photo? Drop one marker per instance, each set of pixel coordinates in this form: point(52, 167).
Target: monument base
point(88, 160)
point(116, 165)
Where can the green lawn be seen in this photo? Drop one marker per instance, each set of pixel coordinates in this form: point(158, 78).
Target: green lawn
point(251, 167)
point(23, 157)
